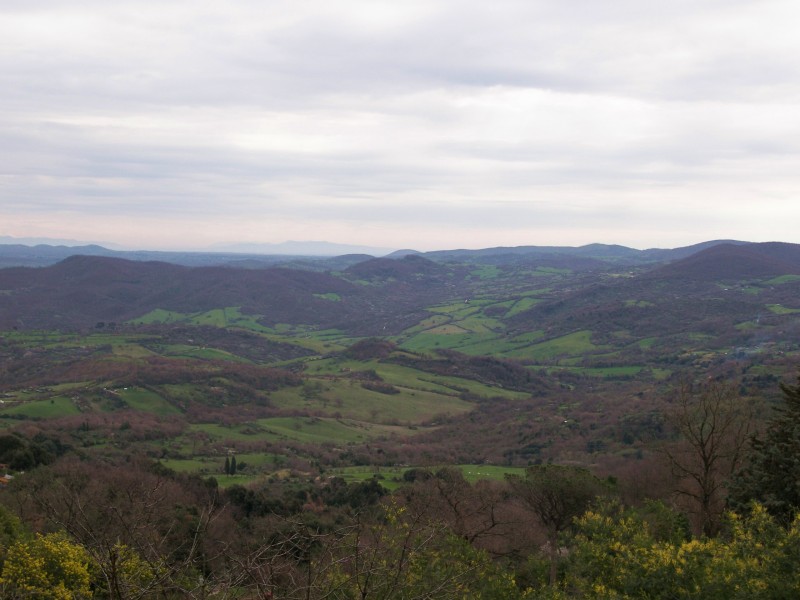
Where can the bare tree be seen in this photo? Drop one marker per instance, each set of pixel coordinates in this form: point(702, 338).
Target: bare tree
point(479, 513)
point(556, 495)
point(715, 424)
point(144, 532)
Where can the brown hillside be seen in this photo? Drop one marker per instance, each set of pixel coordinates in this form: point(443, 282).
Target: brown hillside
point(734, 262)
point(83, 290)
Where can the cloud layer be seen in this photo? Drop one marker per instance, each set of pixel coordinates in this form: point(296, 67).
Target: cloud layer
point(433, 124)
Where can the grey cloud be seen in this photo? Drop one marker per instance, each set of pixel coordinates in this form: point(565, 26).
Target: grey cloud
point(468, 114)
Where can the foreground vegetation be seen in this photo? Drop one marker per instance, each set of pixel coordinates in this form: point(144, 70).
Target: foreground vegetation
point(85, 527)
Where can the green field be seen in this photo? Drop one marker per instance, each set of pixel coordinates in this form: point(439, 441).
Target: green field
point(392, 477)
point(779, 309)
point(346, 397)
point(610, 372)
point(186, 351)
point(254, 466)
point(486, 272)
point(574, 344)
point(783, 279)
point(314, 430)
point(52, 408)
point(219, 317)
point(521, 306)
point(146, 401)
point(473, 473)
point(428, 342)
point(638, 304)
point(410, 382)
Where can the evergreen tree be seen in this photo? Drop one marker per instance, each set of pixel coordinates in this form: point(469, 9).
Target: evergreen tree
point(771, 475)
point(227, 466)
point(233, 465)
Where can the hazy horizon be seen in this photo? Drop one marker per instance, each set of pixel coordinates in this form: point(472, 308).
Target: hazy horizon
point(307, 247)
point(426, 125)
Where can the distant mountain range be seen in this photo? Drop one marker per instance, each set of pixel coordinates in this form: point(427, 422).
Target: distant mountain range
point(712, 286)
point(315, 255)
point(43, 251)
point(292, 248)
point(38, 241)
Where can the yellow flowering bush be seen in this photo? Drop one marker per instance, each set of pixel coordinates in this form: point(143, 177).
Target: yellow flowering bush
point(47, 567)
point(616, 557)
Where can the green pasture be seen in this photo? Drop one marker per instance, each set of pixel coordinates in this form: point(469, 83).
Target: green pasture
point(159, 316)
point(536, 292)
point(392, 477)
point(531, 337)
point(113, 338)
point(473, 473)
point(647, 343)
point(329, 296)
point(429, 323)
point(43, 339)
point(255, 463)
point(146, 401)
point(316, 430)
point(123, 344)
point(321, 342)
point(348, 398)
point(464, 327)
point(429, 342)
point(456, 309)
point(51, 408)
point(311, 430)
point(447, 329)
point(481, 324)
point(574, 344)
point(407, 379)
point(525, 346)
point(183, 392)
point(486, 272)
point(696, 336)
point(484, 345)
point(522, 305)
point(779, 309)
point(326, 334)
point(131, 351)
point(456, 319)
point(212, 467)
point(202, 353)
point(389, 477)
point(553, 271)
point(66, 387)
point(231, 433)
point(638, 303)
point(783, 279)
point(501, 345)
point(218, 317)
point(609, 372)
point(305, 337)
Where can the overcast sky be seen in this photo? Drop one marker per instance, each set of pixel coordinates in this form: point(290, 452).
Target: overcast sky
point(427, 124)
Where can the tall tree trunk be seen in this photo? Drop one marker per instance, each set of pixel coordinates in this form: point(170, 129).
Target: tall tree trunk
point(553, 543)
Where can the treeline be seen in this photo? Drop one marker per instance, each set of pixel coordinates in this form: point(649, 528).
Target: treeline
point(131, 531)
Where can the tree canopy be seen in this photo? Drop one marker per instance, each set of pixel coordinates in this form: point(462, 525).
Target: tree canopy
point(771, 475)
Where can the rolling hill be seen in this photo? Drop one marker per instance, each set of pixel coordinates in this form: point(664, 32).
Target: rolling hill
point(83, 290)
